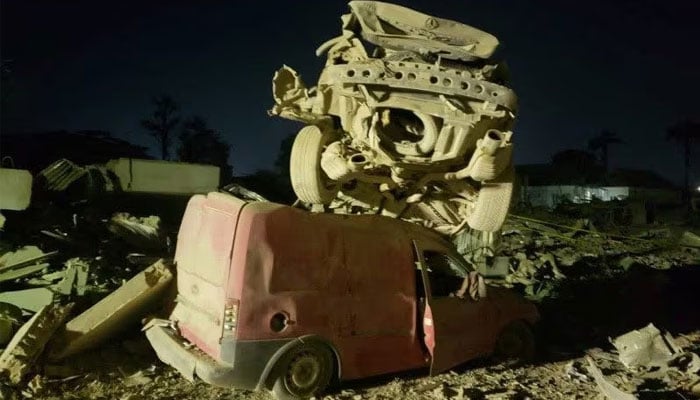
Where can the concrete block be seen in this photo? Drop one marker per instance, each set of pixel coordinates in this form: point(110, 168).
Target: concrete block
point(15, 189)
point(124, 306)
point(165, 177)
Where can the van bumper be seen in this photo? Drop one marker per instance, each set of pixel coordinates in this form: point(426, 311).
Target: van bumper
point(248, 359)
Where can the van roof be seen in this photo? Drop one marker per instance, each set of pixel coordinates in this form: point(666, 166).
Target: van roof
point(374, 221)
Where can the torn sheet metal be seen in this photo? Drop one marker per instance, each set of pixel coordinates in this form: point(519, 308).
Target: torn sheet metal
point(167, 345)
point(243, 193)
point(28, 343)
point(605, 387)
point(61, 174)
point(142, 232)
point(400, 28)
point(645, 347)
point(120, 308)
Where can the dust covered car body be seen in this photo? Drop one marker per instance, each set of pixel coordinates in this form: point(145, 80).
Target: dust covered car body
point(410, 118)
point(275, 297)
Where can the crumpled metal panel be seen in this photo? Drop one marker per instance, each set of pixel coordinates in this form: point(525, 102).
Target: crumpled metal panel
point(60, 174)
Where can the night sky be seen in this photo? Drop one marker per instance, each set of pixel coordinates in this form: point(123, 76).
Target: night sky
point(578, 67)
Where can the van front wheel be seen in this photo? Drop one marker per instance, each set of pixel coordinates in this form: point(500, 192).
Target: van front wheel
point(304, 372)
point(516, 343)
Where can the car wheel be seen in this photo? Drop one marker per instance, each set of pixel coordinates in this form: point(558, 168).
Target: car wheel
point(309, 181)
point(303, 372)
point(515, 343)
point(492, 203)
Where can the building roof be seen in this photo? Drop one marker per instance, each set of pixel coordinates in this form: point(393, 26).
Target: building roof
point(34, 151)
point(549, 175)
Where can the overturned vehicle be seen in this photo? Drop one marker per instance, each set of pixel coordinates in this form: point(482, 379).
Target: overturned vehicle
point(410, 118)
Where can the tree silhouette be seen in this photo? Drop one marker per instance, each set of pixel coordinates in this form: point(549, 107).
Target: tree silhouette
point(162, 123)
point(285, 152)
point(201, 144)
point(575, 166)
point(601, 143)
point(686, 133)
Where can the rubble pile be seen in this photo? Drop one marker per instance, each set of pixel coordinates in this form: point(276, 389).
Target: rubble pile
point(539, 255)
point(40, 290)
point(73, 273)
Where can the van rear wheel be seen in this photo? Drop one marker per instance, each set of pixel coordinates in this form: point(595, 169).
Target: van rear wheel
point(304, 372)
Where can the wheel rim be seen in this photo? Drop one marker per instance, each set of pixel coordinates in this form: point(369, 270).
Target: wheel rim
point(511, 345)
point(303, 374)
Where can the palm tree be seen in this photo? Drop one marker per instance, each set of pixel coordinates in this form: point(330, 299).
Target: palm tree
point(601, 142)
point(162, 123)
point(685, 133)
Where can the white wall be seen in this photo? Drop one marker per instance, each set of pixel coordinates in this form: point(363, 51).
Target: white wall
point(550, 196)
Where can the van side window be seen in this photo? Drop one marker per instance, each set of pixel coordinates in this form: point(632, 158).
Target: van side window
point(444, 273)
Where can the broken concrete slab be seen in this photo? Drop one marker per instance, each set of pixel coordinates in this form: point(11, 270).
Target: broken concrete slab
point(21, 272)
point(24, 256)
point(10, 317)
point(74, 276)
point(122, 307)
point(16, 189)
point(645, 347)
point(28, 343)
point(165, 177)
point(23, 262)
point(29, 299)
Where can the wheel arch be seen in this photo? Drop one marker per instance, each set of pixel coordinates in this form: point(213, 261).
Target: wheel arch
point(266, 380)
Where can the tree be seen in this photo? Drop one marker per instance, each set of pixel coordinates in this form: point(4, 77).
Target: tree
point(162, 123)
point(686, 133)
point(601, 143)
point(285, 152)
point(201, 144)
point(574, 166)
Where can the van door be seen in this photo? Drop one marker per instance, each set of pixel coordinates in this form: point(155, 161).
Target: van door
point(203, 259)
point(455, 329)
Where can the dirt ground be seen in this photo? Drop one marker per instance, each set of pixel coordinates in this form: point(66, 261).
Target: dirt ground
point(141, 376)
point(578, 323)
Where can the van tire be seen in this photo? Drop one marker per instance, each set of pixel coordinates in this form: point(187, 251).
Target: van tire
point(516, 343)
point(303, 372)
point(309, 181)
point(492, 204)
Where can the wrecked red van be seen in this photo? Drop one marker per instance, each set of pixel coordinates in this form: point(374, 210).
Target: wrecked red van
point(274, 297)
